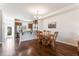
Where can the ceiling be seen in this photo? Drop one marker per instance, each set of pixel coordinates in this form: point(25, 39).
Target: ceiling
point(28, 10)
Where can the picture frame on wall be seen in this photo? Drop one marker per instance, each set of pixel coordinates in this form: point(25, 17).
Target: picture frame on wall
point(52, 25)
point(9, 31)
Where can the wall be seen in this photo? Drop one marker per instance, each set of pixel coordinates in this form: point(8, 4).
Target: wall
point(67, 26)
point(0, 26)
point(8, 42)
point(7, 21)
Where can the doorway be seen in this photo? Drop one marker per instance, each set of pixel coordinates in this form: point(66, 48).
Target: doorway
point(18, 31)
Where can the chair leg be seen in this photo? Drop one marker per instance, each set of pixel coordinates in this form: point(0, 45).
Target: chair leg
point(53, 44)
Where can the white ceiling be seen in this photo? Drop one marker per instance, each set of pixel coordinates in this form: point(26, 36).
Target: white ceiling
point(28, 10)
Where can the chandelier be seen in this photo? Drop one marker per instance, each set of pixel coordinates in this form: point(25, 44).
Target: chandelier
point(37, 15)
point(36, 18)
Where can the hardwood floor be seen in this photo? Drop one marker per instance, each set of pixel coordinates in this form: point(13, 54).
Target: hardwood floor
point(33, 48)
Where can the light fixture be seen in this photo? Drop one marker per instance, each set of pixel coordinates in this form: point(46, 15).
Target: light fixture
point(36, 18)
point(37, 15)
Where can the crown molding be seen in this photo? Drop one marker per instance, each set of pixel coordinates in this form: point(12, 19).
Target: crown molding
point(63, 10)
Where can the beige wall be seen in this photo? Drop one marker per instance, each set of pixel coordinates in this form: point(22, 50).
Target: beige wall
point(67, 25)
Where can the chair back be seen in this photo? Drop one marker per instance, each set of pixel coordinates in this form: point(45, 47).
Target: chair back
point(55, 35)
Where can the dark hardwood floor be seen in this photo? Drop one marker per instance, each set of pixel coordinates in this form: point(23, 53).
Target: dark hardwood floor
point(36, 49)
point(33, 48)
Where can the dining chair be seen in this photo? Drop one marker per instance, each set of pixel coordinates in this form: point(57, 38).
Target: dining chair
point(54, 38)
point(39, 36)
point(46, 41)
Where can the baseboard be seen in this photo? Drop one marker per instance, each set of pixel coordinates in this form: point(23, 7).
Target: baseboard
point(26, 40)
point(67, 43)
point(56, 41)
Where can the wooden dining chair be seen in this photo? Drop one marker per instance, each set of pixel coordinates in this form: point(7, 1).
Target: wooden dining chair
point(54, 37)
point(39, 37)
point(46, 38)
point(45, 41)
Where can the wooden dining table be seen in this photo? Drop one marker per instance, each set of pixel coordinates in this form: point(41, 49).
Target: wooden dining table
point(45, 38)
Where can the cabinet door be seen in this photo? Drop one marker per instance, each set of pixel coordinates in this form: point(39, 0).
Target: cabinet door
point(30, 26)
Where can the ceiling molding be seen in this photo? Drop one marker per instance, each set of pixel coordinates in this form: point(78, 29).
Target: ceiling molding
point(63, 10)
